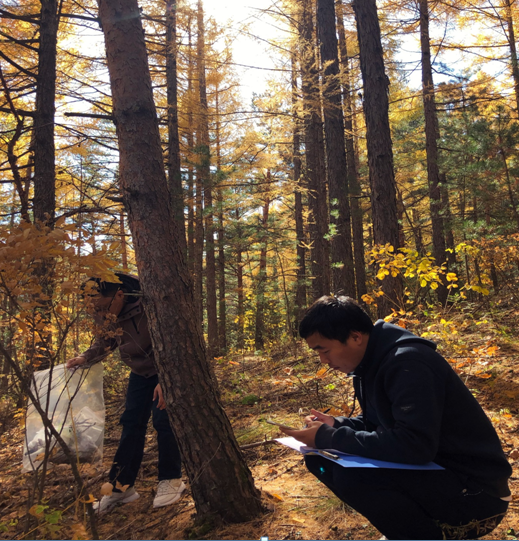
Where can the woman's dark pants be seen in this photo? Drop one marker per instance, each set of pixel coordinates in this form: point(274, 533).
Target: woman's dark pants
point(139, 407)
point(412, 504)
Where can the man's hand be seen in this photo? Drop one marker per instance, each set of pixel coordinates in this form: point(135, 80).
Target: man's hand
point(306, 435)
point(75, 361)
point(157, 393)
point(318, 416)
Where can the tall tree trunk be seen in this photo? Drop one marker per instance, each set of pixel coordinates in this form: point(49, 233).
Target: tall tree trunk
point(199, 241)
point(44, 150)
point(174, 173)
point(312, 126)
point(205, 163)
point(221, 483)
point(222, 306)
point(199, 200)
point(259, 338)
point(353, 177)
point(343, 274)
point(191, 250)
point(44, 201)
point(431, 146)
point(378, 139)
point(298, 211)
point(239, 284)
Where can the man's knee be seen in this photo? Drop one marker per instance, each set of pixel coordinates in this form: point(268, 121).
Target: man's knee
point(349, 484)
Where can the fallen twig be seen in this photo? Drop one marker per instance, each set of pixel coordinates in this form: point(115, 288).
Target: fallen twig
point(257, 444)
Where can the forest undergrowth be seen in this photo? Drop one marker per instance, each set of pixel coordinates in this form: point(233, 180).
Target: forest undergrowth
point(281, 384)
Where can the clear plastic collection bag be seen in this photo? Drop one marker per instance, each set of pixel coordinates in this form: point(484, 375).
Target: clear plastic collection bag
point(73, 400)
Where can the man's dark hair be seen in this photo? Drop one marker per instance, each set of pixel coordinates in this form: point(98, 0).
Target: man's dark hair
point(335, 318)
point(128, 284)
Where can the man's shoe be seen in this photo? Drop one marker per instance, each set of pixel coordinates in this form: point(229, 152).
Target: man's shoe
point(168, 492)
point(107, 503)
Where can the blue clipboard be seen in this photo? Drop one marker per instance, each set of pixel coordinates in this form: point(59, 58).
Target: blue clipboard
point(353, 461)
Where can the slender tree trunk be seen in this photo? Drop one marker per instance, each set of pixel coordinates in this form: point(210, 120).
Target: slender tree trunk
point(417, 231)
point(431, 145)
point(300, 234)
point(221, 483)
point(450, 244)
point(174, 172)
point(198, 156)
point(259, 338)
point(353, 178)
point(205, 162)
point(318, 225)
point(239, 284)
point(378, 138)
point(191, 250)
point(222, 306)
point(199, 244)
point(44, 150)
point(343, 274)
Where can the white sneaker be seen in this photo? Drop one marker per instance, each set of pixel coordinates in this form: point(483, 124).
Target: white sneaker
point(168, 492)
point(107, 503)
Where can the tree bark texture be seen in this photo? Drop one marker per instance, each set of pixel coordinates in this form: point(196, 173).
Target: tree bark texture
point(221, 483)
point(44, 205)
point(431, 147)
point(318, 225)
point(378, 139)
point(174, 173)
point(205, 171)
point(343, 273)
point(351, 161)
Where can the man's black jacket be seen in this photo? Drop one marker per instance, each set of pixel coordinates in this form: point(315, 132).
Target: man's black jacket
point(415, 409)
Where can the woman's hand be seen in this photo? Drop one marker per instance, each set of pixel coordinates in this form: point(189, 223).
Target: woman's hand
point(157, 393)
point(75, 361)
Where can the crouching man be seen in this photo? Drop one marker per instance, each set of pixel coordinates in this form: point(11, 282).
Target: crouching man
point(415, 409)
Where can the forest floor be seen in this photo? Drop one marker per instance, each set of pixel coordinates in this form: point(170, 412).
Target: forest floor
point(281, 385)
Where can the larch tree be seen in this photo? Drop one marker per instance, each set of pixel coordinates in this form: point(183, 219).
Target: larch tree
point(43, 141)
point(213, 460)
point(431, 145)
point(174, 166)
point(300, 302)
point(314, 164)
point(378, 140)
point(204, 171)
point(343, 273)
point(351, 160)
